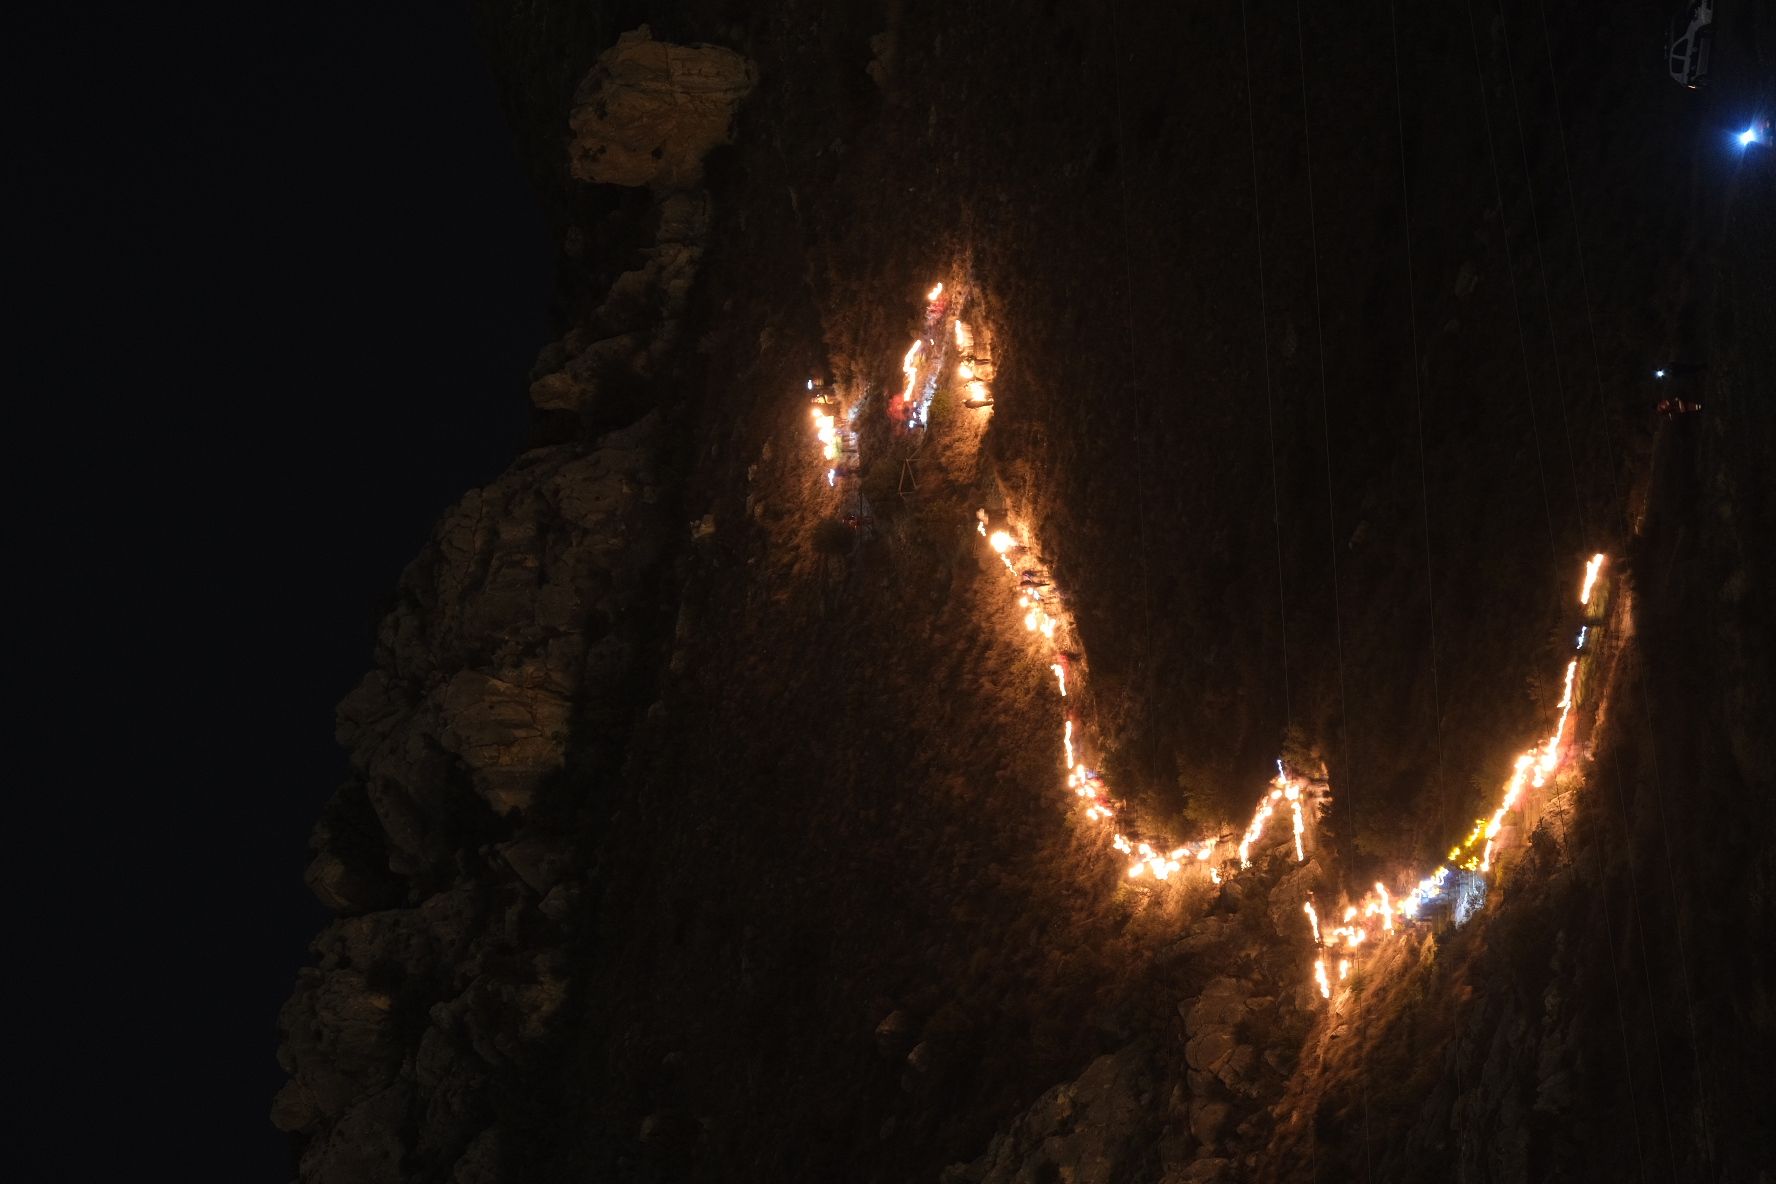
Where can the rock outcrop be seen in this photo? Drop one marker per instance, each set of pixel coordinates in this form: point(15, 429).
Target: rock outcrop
point(630, 336)
point(503, 690)
point(649, 111)
point(522, 616)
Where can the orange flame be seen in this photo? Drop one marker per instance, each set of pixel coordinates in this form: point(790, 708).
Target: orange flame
point(1591, 570)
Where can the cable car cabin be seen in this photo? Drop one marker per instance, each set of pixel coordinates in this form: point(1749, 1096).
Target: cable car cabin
point(1691, 38)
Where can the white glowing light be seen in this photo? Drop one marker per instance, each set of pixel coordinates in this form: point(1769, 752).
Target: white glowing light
point(934, 293)
point(1748, 136)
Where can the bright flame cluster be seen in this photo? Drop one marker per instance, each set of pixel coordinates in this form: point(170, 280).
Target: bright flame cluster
point(1374, 915)
point(922, 366)
point(1039, 605)
point(1041, 613)
point(832, 439)
point(1337, 945)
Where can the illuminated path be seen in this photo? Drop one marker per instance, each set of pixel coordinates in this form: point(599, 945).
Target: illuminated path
point(1036, 601)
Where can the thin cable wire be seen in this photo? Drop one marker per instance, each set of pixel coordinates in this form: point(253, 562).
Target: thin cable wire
point(1325, 413)
point(1535, 226)
point(1423, 481)
point(1498, 190)
point(1276, 503)
point(1616, 497)
point(1276, 506)
point(1326, 434)
point(1418, 404)
point(1128, 302)
point(1637, 922)
point(1511, 273)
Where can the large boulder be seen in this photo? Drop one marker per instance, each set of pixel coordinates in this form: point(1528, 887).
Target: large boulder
point(649, 111)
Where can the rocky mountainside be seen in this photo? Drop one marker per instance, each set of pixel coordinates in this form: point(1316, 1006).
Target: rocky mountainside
point(693, 833)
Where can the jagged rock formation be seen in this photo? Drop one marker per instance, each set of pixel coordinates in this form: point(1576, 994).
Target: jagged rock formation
point(650, 111)
point(519, 624)
point(627, 340)
point(502, 679)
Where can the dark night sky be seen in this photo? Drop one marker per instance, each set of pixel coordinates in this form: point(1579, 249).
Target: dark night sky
point(283, 277)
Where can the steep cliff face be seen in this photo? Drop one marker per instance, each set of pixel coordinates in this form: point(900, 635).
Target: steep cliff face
point(692, 834)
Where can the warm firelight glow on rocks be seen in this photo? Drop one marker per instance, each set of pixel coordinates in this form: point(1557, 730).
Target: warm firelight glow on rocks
point(1591, 570)
point(1040, 609)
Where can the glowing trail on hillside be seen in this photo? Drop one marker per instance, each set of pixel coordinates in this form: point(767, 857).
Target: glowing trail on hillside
point(1039, 608)
point(1362, 923)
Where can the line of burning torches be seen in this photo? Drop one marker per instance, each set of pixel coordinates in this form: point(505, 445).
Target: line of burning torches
point(1038, 603)
point(911, 405)
point(1373, 916)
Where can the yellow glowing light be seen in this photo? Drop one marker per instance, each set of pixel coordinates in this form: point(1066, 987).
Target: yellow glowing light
point(1313, 919)
point(909, 366)
point(1001, 541)
point(1591, 570)
point(934, 293)
point(1320, 977)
